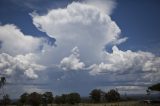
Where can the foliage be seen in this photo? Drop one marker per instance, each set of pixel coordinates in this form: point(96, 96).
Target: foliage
point(71, 98)
point(112, 95)
point(24, 98)
point(6, 100)
point(64, 98)
point(95, 95)
point(34, 99)
point(58, 100)
point(2, 81)
point(155, 87)
point(47, 98)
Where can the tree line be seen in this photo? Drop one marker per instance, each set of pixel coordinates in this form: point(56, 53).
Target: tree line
point(35, 99)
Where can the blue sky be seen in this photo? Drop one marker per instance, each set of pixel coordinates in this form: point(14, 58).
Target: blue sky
point(61, 45)
point(140, 21)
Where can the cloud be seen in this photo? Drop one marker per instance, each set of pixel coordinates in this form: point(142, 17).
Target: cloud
point(128, 62)
point(119, 41)
point(14, 42)
point(86, 28)
point(72, 62)
point(106, 6)
point(27, 4)
point(20, 60)
point(91, 28)
point(20, 66)
point(132, 88)
point(82, 25)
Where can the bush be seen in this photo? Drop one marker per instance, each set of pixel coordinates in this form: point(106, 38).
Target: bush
point(112, 96)
point(71, 98)
point(34, 99)
point(95, 95)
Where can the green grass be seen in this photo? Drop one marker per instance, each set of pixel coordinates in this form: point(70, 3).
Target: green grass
point(131, 103)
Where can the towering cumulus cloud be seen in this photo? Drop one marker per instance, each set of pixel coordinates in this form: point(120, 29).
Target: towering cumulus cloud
point(82, 31)
point(88, 26)
point(82, 25)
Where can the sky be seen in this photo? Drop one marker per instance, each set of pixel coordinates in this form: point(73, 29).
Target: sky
point(67, 46)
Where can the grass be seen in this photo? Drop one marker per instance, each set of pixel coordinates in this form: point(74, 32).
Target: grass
point(131, 103)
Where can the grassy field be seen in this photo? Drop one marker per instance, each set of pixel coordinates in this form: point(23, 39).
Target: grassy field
point(132, 103)
point(117, 104)
point(121, 104)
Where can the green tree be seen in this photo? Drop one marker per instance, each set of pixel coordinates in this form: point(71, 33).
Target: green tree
point(58, 100)
point(73, 98)
point(95, 95)
point(112, 96)
point(24, 98)
point(47, 98)
point(34, 99)
point(155, 87)
point(6, 100)
point(64, 98)
point(2, 83)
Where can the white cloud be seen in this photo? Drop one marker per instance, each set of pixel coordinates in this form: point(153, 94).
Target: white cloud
point(128, 62)
point(119, 41)
point(20, 66)
point(82, 25)
point(132, 89)
point(91, 28)
point(14, 42)
point(72, 62)
point(105, 6)
point(126, 88)
point(86, 27)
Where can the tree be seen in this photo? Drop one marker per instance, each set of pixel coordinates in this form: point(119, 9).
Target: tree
point(64, 98)
point(95, 95)
point(47, 98)
point(112, 95)
point(73, 98)
point(24, 98)
point(2, 83)
point(6, 100)
point(34, 99)
point(58, 100)
point(155, 87)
